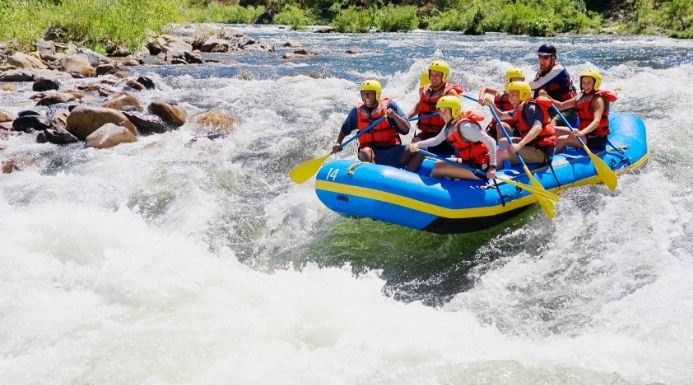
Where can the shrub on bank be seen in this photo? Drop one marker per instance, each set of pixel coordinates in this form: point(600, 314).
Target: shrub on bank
point(450, 20)
point(223, 13)
point(393, 19)
point(293, 16)
point(534, 17)
point(674, 15)
point(353, 20)
point(125, 22)
point(88, 21)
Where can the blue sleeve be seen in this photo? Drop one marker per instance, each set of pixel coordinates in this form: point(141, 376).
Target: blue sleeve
point(532, 114)
point(351, 122)
point(395, 107)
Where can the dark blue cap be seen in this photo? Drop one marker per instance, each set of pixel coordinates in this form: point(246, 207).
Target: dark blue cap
point(546, 50)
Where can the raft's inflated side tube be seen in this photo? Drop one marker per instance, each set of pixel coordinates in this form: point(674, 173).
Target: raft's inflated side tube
point(397, 196)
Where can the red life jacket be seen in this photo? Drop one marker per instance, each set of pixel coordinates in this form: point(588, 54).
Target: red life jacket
point(503, 104)
point(583, 107)
point(475, 153)
point(547, 136)
point(383, 134)
point(427, 105)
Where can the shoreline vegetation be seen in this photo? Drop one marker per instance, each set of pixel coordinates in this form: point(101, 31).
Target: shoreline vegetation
point(98, 24)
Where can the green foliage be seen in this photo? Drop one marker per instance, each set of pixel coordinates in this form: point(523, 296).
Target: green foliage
point(325, 10)
point(674, 15)
point(450, 20)
point(293, 16)
point(125, 22)
point(517, 19)
point(87, 21)
point(353, 20)
point(679, 13)
point(221, 13)
point(531, 17)
point(687, 34)
point(394, 19)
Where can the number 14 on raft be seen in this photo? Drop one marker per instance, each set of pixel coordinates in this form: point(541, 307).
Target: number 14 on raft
point(332, 174)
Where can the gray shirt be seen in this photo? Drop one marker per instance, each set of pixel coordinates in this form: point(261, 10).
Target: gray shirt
point(471, 132)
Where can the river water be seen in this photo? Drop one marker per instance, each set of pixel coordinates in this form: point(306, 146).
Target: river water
point(170, 262)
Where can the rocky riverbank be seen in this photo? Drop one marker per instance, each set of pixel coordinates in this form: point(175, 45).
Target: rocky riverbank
point(101, 109)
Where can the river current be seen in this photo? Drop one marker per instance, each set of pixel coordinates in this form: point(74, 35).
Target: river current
point(174, 262)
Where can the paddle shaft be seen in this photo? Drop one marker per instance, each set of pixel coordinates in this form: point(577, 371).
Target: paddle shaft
point(470, 98)
point(374, 123)
point(507, 136)
point(478, 173)
point(417, 117)
point(354, 137)
point(432, 114)
point(582, 143)
point(481, 175)
point(605, 173)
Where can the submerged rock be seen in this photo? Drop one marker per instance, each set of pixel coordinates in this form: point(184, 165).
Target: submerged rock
point(45, 84)
point(29, 123)
point(56, 136)
point(146, 123)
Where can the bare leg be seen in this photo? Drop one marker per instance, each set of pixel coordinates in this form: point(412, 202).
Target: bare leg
point(412, 160)
point(561, 130)
point(566, 140)
point(503, 152)
point(444, 169)
point(502, 156)
point(367, 154)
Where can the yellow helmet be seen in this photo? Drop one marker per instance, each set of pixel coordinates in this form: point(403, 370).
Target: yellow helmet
point(440, 66)
point(594, 74)
point(372, 85)
point(523, 88)
point(513, 72)
point(453, 103)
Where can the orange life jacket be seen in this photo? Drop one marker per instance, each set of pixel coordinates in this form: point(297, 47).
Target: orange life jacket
point(475, 153)
point(383, 134)
point(583, 108)
point(427, 106)
point(503, 104)
point(547, 136)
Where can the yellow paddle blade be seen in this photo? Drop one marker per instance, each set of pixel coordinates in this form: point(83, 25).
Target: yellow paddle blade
point(424, 80)
point(606, 174)
point(541, 192)
point(546, 204)
point(307, 169)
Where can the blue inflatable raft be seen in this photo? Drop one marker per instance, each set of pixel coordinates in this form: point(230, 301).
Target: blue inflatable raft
point(393, 195)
